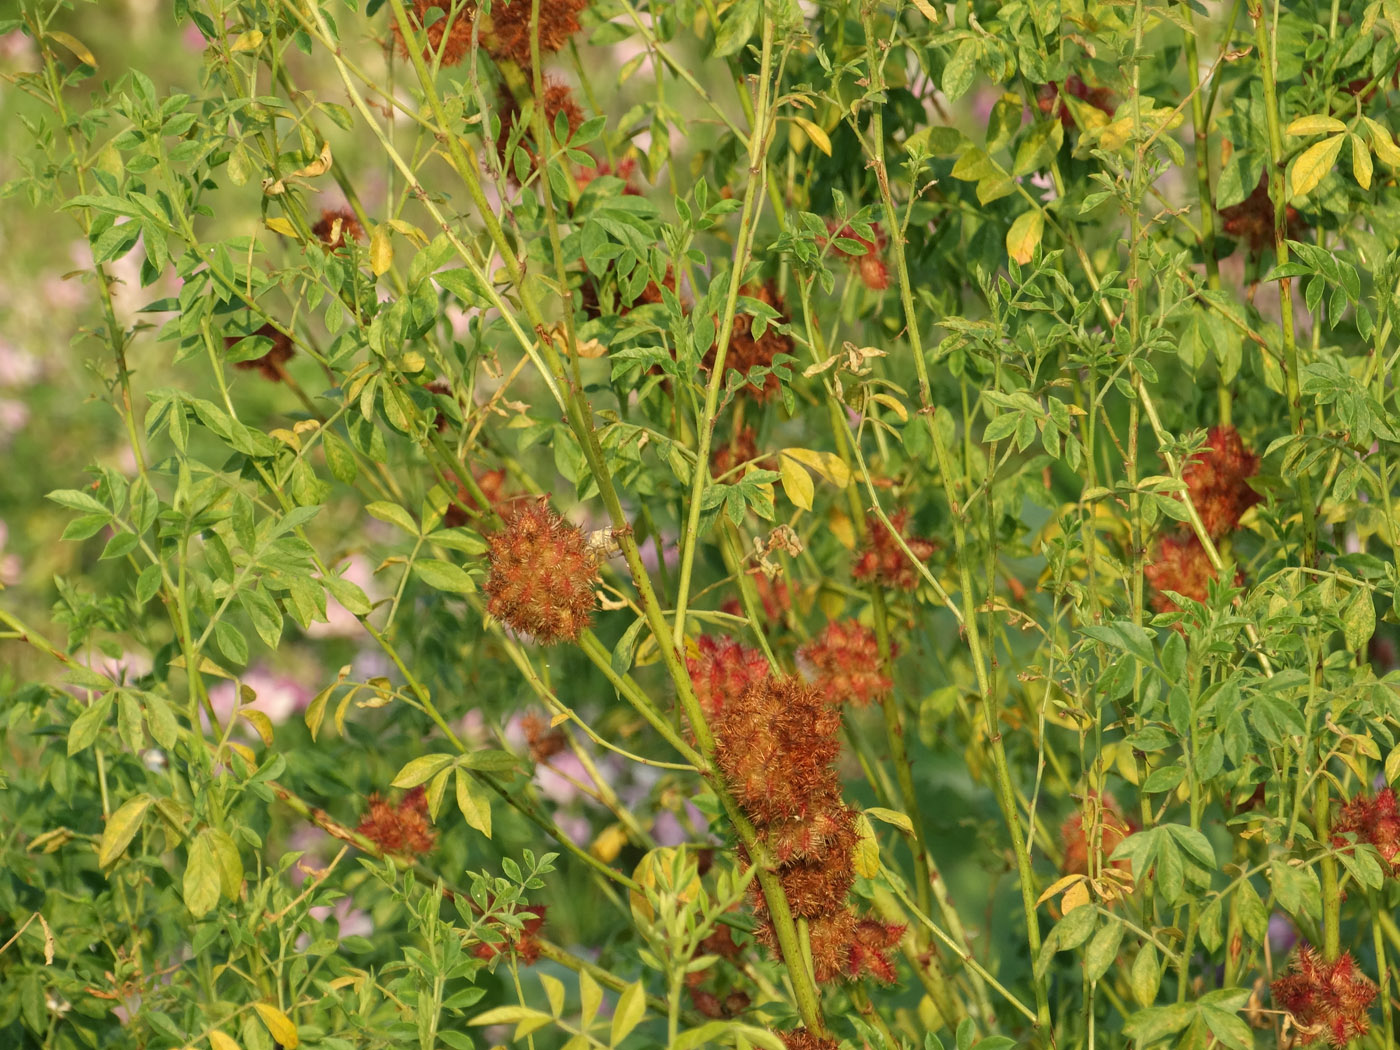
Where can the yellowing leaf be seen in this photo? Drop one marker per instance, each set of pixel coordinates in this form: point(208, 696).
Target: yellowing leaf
point(1360, 162)
point(1382, 143)
point(202, 881)
point(1312, 167)
point(121, 829)
point(259, 721)
point(1316, 124)
point(1063, 883)
point(797, 483)
point(319, 166)
point(476, 810)
point(420, 770)
point(928, 11)
point(412, 232)
point(279, 1025)
point(554, 992)
point(892, 817)
point(893, 405)
point(381, 250)
point(1075, 897)
point(828, 464)
point(815, 133)
point(282, 226)
point(841, 527)
point(74, 45)
point(867, 854)
point(1024, 236)
point(609, 843)
point(219, 1041)
point(249, 41)
point(631, 1008)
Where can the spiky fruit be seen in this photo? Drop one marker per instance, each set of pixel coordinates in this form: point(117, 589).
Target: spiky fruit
point(401, 829)
point(1328, 1000)
point(721, 670)
point(542, 573)
point(456, 26)
point(1215, 478)
point(884, 562)
point(845, 664)
point(1101, 819)
point(349, 227)
point(1180, 564)
point(746, 352)
point(1373, 820)
point(510, 28)
point(270, 364)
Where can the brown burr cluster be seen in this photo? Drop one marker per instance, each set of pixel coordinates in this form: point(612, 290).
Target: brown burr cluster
point(1328, 1000)
point(1216, 479)
point(882, 559)
point(776, 743)
point(542, 573)
point(845, 663)
point(507, 38)
point(403, 829)
point(746, 352)
point(270, 364)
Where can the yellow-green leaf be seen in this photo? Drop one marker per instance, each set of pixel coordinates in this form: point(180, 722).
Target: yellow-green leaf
point(381, 250)
point(121, 829)
point(590, 998)
point(1024, 236)
point(249, 41)
point(1312, 167)
point(631, 1008)
point(894, 405)
point(815, 133)
point(797, 483)
point(277, 224)
point(827, 464)
point(476, 809)
point(230, 863)
point(1317, 124)
point(867, 855)
point(554, 992)
point(420, 770)
point(219, 1041)
point(202, 881)
point(279, 1025)
point(74, 45)
point(1382, 143)
point(893, 817)
point(259, 721)
point(1360, 162)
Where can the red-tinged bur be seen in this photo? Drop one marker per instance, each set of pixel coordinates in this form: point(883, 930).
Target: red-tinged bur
point(558, 98)
point(721, 671)
point(456, 26)
point(1373, 820)
point(524, 942)
point(1328, 1001)
point(510, 28)
point(1216, 479)
point(884, 562)
point(333, 237)
point(492, 484)
point(542, 573)
point(543, 741)
point(1252, 219)
point(746, 352)
point(1112, 828)
point(403, 829)
point(801, 1039)
point(845, 664)
point(270, 364)
point(776, 747)
point(1179, 563)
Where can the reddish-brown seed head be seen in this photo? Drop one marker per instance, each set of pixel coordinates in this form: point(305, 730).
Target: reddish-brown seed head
point(542, 573)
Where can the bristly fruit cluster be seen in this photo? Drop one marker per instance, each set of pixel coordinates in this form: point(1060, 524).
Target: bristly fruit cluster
point(776, 743)
point(506, 38)
point(1328, 1000)
point(845, 663)
point(270, 364)
point(1108, 827)
point(1217, 482)
point(400, 830)
point(884, 561)
point(542, 573)
point(1374, 820)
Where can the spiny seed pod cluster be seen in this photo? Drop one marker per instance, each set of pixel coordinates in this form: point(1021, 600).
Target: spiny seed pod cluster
point(1374, 820)
point(845, 664)
point(524, 941)
point(1252, 219)
point(336, 226)
point(542, 573)
point(801, 1039)
point(868, 261)
point(774, 595)
point(1101, 819)
point(558, 98)
point(403, 829)
point(884, 562)
point(746, 352)
point(776, 744)
point(270, 364)
point(492, 484)
point(507, 38)
point(1328, 1000)
point(1216, 480)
